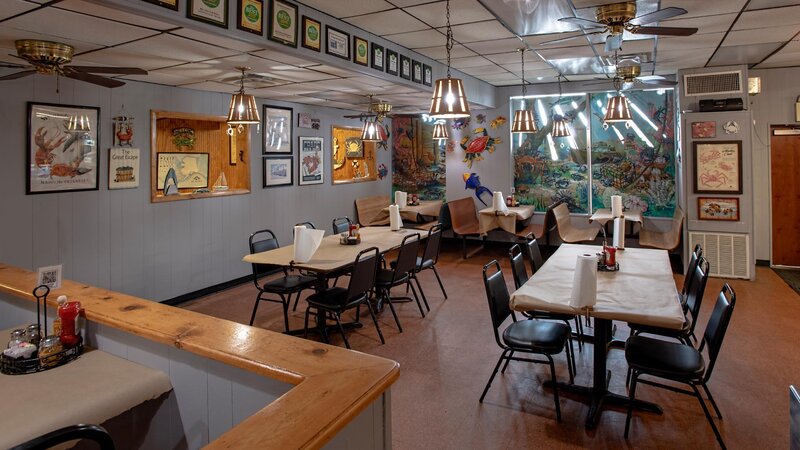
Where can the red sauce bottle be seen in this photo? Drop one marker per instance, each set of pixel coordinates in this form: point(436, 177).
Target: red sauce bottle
point(68, 313)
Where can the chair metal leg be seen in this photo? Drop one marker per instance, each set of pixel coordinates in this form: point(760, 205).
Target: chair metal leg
point(419, 305)
point(491, 378)
point(631, 399)
point(436, 272)
point(388, 296)
point(296, 300)
point(285, 304)
point(421, 292)
point(555, 388)
point(375, 321)
point(341, 330)
point(305, 323)
point(255, 308)
point(711, 399)
point(508, 360)
point(571, 368)
point(464, 246)
point(628, 377)
point(579, 330)
point(708, 416)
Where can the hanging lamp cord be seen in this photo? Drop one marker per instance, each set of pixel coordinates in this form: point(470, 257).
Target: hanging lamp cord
point(449, 44)
point(524, 88)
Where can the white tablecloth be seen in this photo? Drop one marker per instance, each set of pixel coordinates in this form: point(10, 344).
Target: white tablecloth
point(603, 215)
point(490, 219)
point(643, 290)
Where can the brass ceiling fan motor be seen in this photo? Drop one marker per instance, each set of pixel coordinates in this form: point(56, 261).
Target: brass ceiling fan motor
point(629, 73)
point(46, 56)
point(616, 15)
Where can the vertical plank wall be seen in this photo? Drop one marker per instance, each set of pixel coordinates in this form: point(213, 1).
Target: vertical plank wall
point(117, 239)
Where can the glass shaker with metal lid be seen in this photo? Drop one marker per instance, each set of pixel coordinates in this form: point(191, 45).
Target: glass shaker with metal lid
point(17, 337)
point(50, 346)
point(33, 334)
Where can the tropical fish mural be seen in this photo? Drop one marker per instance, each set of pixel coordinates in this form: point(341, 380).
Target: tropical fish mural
point(418, 163)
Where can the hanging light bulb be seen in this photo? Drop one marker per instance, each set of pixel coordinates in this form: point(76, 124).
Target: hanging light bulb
point(524, 121)
point(243, 110)
point(449, 100)
point(440, 132)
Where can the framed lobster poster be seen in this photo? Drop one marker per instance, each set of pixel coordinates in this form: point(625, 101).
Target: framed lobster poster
point(62, 148)
point(718, 167)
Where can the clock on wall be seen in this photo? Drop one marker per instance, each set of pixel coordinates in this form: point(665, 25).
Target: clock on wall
point(731, 127)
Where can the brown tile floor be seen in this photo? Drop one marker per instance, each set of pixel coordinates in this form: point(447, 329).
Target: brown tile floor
point(447, 358)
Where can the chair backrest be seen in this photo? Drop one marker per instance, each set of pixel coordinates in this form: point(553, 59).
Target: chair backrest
point(687, 279)
point(498, 297)
point(94, 433)
point(370, 210)
point(444, 217)
point(549, 219)
point(463, 214)
point(262, 241)
point(697, 288)
point(341, 224)
point(675, 231)
point(362, 278)
point(561, 214)
point(534, 255)
point(717, 326)
point(406, 256)
point(517, 265)
point(432, 244)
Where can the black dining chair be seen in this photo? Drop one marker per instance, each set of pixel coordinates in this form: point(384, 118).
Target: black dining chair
point(525, 336)
point(341, 224)
point(682, 363)
point(283, 287)
point(399, 274)
point(521, 277)
point(536, 262)
point(690, 269)
point(93, 433)
point(334, 301)
point(428, 260)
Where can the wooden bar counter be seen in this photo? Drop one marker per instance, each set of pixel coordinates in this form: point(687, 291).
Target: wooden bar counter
point(331, 385)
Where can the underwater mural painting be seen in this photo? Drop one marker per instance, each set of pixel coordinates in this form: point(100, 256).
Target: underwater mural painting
point(418, 163)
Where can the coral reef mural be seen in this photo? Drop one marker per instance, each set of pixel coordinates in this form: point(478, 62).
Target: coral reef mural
point(418, 163)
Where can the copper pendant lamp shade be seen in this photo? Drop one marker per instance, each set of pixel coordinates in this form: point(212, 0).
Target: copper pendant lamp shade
point(440, 132)
point(523, 122)
point(560, 128)
point(243, 109)
point(449, 99)
point(372, 131)
point(617, 110)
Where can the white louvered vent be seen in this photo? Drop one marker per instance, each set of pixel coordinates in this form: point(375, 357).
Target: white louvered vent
point(728, 255)
point(713, 83)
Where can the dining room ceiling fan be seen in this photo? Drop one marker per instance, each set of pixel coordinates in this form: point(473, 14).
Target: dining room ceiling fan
point(617, 18)
point(378, 109)
point(52, 58)
point(630, 76)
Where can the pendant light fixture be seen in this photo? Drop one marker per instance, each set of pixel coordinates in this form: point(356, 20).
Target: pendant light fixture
point(524, 121)
point(560, 128)
point(617, 109)
point(243, 110)
point(372, 131)
point(449, 100)
point(440, 132)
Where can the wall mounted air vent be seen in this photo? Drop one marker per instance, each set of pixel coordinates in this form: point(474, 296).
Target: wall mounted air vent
point(713, 83)
point(728, 255)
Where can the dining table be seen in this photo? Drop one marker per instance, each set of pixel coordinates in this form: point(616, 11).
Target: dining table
point(425, 209)
point(491, 219)
point(332, 257)
point(641, 291)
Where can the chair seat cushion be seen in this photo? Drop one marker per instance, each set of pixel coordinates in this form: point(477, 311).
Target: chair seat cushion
point(289, 283)
point(384, 278)
point(541, 337)
point(331, 298)
point(420, 264)
point(664, 359)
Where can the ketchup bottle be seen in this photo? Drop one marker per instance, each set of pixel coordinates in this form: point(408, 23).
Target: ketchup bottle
point(68, 313)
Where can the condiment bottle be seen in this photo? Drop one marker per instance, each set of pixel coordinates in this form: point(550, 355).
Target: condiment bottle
point(33, 334)
point(17, 337)
point(50, 346)
point(68, 312)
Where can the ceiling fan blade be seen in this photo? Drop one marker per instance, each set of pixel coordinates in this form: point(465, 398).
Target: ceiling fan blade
point(657, 16)
point(595, 83)
point(650, 77)
point(582, 22)
point(94, 79)
point(613, 43)
point(663, 31)
point(12, 66)
point(16, 75)
point(627, 85)
point(658, 82)
point(556, 41)
point(112, 70)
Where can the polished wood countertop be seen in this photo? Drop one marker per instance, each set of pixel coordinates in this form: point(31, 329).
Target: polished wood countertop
point(332, 385)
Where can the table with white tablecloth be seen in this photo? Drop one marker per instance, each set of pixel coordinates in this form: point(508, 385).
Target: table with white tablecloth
point(491, 219)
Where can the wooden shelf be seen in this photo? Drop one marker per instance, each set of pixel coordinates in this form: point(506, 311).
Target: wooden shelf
point(211, 138)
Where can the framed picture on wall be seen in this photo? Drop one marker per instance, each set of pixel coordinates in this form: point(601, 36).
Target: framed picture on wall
point(392, 62)
point(713, 208)
point(704, 130)
point(123, 168)
point(337, 42)
point(416, 71)
point(250, 16)
point(62, 152)
point(311, 161)
point(427, 75)
point(717, 167)
point(171, 4)
point(405, 67)
point(211, 12)
point(360, 51)
point(278, 171)
point(312, 34)
point(278, 129)
point(283, 22)
point(378, 59)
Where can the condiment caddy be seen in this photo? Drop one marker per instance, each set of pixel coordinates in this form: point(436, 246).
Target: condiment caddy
point(30, 351)
point(351, 237)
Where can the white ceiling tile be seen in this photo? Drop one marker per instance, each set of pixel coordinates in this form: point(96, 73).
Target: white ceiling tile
point(220, 41)
point(161, 78)
point(788, 55)
point(270, 68)
point(94, 9)
point(480, 31)
point(404, 3)
point(673, 57)
point(387, 22)
point(284, 58)
point(212, 86)
point(469, 61)
point(461, 11)
point(742, 54)
point(9, 35)
point(761, 4)
point(416, 39)
point(510, 57)
point(14, 7)
point(484, 70)
point(495, 46)
point(285, 89)
point(768, 18)
point(332, 70)
point(439, 52)
point(536, 40)
point(568, 52)
point(70, 25)
point(697, 8)
point(761, 36)
point(706, 24)
point(339, 9)
point(690, 42)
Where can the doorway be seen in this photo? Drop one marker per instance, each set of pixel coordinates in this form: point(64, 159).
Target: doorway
point(785, 183)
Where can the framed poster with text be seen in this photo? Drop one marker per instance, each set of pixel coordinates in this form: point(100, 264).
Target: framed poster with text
point(717, 167)
point(311, 160)
point(337, 42)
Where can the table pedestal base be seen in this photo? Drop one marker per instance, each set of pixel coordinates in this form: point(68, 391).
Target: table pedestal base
point(599, 400)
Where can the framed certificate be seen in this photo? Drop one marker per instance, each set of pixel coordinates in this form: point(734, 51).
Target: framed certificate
point(392, 62)
point(378, 60)
point(283, 22)
point(312, 34)
point(427, 75)
point(214, 12)
point(171, 4)
point(360, 51)
point(250, 16)
point(337, 42)
point(416, 71)
point(405, 67)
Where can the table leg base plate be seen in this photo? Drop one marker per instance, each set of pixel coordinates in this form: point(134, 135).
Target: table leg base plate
point(600, 400)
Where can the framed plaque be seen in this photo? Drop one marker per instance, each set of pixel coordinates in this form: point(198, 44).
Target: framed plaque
point(392, 62)
point(283, 22)
point(718, 167)
point(337, 42)
point(214, 12)
point(312, 34)
point(250, 16)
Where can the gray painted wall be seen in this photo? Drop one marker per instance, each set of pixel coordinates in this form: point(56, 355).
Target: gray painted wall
point(119, 240)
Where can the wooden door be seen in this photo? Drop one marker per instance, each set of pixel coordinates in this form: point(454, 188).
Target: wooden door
point(785, 161)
